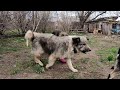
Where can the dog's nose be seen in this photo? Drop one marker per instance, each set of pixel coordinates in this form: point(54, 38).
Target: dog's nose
point(89, 49)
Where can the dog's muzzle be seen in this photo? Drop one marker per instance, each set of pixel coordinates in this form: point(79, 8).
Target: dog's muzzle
point(85, 51)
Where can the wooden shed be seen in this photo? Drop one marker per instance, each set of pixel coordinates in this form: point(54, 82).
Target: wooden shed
point(101, 25)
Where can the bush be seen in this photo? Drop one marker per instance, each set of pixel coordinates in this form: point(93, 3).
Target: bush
point(110, 58)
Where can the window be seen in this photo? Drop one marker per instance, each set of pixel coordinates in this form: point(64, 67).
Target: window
point(114, 26)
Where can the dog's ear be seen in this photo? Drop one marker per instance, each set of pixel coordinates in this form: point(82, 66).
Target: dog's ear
point(119, 51)
point(57, 33)
point(76, 40)
point(74, 49)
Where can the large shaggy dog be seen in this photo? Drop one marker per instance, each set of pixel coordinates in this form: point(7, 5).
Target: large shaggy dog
point(115, 68)
point(55, 47)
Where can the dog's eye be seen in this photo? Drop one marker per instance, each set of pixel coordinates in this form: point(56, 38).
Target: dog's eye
point(83, 44)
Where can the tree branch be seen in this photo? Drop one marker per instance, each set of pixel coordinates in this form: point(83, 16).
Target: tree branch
point(99, 15)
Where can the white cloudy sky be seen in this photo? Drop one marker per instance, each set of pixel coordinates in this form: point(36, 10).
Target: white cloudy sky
point(107, 14)
point(57, 16)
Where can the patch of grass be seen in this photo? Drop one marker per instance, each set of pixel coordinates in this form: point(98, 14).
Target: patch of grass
point(108, 54)
point(80, 34)
point(32, 65)
point(11, 32)
point(84, 60)
point(15, 71)
point(72, 76)
point(93, 42)
point(44, 61)
point(38, 69)
point(35, 67)
point(110, 58)
point(12, 44)
point(114, 50)
point(27, 65)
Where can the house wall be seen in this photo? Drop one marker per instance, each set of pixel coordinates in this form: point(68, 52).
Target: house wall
point(91, 27)
point(106, 28)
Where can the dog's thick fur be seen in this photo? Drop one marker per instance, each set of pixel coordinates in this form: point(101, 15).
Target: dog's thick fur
point(59, 33)
point(115, 68)
point(29, 36)
point(55, 47)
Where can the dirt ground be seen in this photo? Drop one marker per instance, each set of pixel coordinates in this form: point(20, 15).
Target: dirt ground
point(17, 62)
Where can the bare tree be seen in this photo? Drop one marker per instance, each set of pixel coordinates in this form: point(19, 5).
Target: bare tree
point(5, 20)
point(21, 21)
point(66, 21)
point(83, 16)
point(45, 16)
point(40, 20)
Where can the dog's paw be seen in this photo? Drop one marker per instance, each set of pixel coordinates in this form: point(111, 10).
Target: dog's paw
point(47, 66)
point(75, 70)
point(41, 64)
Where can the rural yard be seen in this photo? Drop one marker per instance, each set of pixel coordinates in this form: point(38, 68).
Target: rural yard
point(16, 60)
point(101, 27)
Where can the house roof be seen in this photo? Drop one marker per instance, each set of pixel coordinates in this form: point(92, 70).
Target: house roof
point(118, 19)
point(104, 19)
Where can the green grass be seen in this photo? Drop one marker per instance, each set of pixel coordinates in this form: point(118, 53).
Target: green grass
point(27, 65)
point(80, 34)
point(15, 71)
point(71, 76)
point(38, 69)
point(93, 42)
point(17, 44)
point(11, 45)
point(84, 60)
point(107, 54)
point(11, 32)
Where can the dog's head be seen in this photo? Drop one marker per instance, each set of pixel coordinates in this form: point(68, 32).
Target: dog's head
point(78, 45)
point(57, 32)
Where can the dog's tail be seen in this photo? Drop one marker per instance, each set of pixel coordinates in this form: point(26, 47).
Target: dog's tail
point(29, 36)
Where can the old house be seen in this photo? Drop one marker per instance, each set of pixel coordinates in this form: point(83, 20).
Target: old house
point(102, 25)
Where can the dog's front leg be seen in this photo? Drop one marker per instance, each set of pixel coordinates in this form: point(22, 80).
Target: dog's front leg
point(36, 58)
point(51, 61)
point(69, 63)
